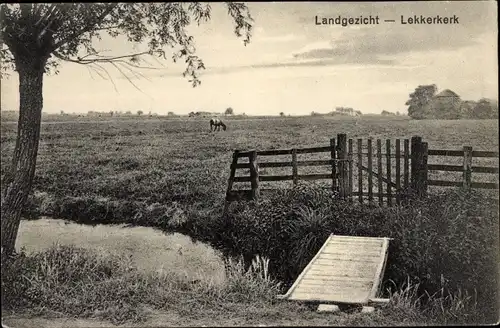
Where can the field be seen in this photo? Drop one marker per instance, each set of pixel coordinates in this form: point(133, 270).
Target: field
point(178, 165)
point(178, 160)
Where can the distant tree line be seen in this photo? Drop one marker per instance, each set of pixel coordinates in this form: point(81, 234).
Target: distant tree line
point(424, 103)
point(228, 111)
point(348, 111)
point(115, 113)
point(202, 114)
point(387, 113)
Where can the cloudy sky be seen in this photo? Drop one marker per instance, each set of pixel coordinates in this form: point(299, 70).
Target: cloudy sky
point(294, 66)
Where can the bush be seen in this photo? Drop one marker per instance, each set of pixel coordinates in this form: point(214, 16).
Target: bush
point(442, 243)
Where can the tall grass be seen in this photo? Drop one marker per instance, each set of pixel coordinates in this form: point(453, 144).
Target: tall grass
point(453, 308)
point(67, 281)
point(445, 244)
point(75, 282)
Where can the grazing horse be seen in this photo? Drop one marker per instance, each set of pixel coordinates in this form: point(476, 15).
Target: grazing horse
point(217, 123)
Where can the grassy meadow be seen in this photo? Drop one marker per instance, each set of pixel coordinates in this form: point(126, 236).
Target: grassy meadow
point(144, 171)
point(155, 160)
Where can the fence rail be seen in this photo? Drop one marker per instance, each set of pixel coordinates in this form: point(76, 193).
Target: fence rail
point(459, 168)
point(274, 152)
point(355, 164)
point(323, 162)
point(461, 153)
point(467, 153)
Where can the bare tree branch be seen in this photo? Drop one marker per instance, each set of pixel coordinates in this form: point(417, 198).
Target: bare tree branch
point(47, 15)
point(103, 59)
point(106, 28)
point(109, 75)
point(113, 61)
point(136, 74)
point(118, 59)
point(128, 79)
point(91, 68)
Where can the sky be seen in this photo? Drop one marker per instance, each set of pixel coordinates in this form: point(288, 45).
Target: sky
point(295, 66)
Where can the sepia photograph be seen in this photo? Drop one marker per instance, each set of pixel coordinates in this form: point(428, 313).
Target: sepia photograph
point(253, 164)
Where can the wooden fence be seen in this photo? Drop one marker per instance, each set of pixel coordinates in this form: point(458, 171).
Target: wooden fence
point(393, 167)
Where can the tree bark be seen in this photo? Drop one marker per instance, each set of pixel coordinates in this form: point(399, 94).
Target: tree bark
point(19, 181)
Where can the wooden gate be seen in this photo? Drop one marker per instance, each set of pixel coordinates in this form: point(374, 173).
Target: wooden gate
point(378, 170)
point(351, 173)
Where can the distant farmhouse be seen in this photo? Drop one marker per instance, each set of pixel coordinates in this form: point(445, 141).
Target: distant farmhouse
point(445, 105)
point(447, 95)
point(448, 105)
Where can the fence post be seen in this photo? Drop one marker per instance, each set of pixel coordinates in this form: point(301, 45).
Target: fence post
point(370, 171)
point(467, 167)
point(342, 156)
point(398, 170)
point(294, 166)
point(380, 187)
point(360, 170)
point(334, 164)
point(350, 171)
point(416, 164)
point(388, 164)
point(424, 171)
point(254, 174)
point(231, 179)
point(406, 163)
point(349, 155)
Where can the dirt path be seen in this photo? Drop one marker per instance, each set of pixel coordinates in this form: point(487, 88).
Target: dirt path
point(164, 320)
point(172, 319)
point(19, 322)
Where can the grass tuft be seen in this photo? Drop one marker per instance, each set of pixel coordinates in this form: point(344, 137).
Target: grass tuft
point(75, 282)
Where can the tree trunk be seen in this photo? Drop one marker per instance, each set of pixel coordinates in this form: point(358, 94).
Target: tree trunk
point(19, 179)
